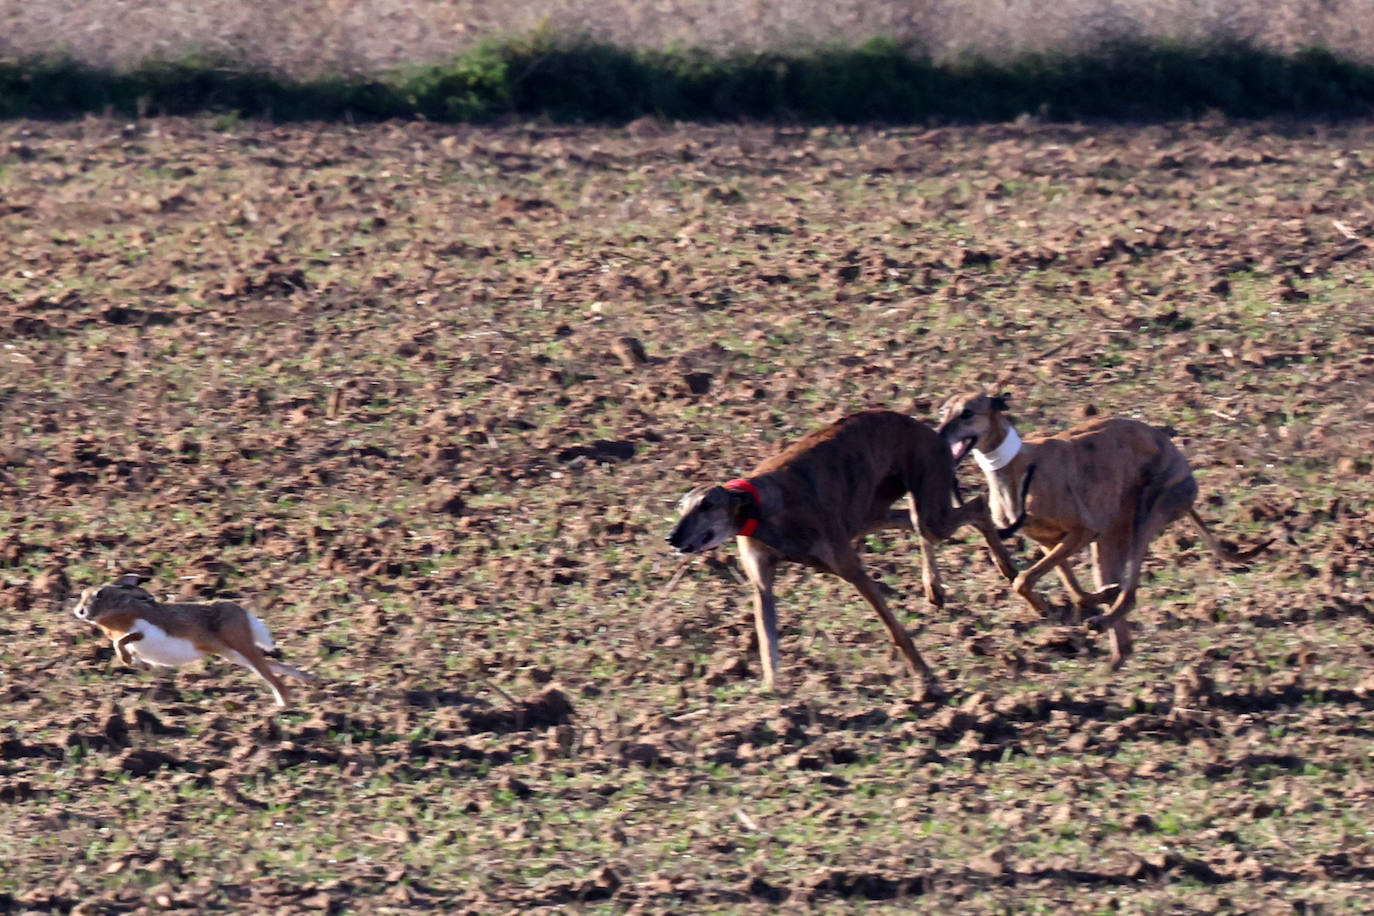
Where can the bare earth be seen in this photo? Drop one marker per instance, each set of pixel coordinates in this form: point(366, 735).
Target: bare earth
point(371, 383)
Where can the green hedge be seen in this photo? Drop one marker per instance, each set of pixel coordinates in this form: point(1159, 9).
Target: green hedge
point(584, 81)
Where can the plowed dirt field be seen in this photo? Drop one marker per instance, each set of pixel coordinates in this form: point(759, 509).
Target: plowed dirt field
point(374, 383)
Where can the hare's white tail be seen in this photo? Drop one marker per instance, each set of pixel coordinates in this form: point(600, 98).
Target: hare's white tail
point(261, 638)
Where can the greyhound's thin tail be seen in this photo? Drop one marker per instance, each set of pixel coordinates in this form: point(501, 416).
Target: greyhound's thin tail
point(1230, 556)
point(1020, 519)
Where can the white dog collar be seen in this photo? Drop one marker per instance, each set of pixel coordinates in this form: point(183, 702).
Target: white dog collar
point(1001, 456)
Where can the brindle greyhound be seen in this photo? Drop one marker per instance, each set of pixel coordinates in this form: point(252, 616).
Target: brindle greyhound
point(1113, 483)
point(808, 504)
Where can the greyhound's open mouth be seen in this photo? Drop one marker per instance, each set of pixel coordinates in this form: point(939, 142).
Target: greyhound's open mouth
point(961, 448)
point(701, 543)
point(692, 546)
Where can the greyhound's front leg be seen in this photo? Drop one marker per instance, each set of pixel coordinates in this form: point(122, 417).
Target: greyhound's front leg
point(761, 567)
point(974, 512)
point(1084, 600)
point(930, 573)
point(1024, 584)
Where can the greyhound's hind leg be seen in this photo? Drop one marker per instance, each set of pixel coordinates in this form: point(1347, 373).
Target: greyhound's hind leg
point(851, 570)
point(1156, 509)
point(1083, 599)
point(1109, 554)
point(890, 518)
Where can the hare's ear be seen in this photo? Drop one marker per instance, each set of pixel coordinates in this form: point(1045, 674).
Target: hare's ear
point(131, 580)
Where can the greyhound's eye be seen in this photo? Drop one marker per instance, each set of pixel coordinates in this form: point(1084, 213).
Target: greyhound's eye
point(966, 415)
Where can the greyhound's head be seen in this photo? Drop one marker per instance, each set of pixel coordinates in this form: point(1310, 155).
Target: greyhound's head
point(711, 515)
point(94, 602)
point(969, 421)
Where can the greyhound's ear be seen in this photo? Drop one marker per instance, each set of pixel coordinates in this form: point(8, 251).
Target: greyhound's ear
point(692, 498)
point(738, 497)
point(999, 402)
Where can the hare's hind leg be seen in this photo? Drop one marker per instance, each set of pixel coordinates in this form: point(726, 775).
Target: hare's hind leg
point(297, 673)
point(253, 658)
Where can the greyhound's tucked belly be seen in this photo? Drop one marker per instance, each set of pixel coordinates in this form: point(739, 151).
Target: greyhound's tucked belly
point(1040, 532)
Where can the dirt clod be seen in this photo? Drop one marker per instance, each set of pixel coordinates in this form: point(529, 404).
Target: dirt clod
point(629, 351)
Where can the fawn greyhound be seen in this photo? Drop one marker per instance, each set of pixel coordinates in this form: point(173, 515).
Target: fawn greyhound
point(1112, 482)
point(809, 503)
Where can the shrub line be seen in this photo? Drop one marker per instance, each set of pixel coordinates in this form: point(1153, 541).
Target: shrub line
point(881, 81)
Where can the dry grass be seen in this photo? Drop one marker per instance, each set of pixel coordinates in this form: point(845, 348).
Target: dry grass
point(311, 37)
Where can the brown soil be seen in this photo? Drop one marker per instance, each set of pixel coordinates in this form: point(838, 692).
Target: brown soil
point(424, 398)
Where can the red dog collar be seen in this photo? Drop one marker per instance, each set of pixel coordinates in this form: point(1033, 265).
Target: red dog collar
point(751, 522)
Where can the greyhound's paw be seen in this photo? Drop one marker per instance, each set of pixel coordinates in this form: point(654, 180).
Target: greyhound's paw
point(1099, 624)
point(1036, 601)
point(1106, 596)
point(778, 687)
point(928, 690)
point(936, 596)
point(1023, 587)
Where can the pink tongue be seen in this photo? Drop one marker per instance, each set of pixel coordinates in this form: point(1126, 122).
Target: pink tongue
point(957, 449)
